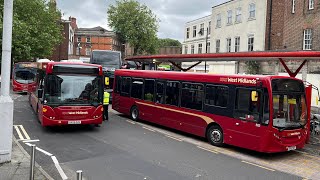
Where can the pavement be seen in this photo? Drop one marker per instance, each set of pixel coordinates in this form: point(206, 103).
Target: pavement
point(19, 167)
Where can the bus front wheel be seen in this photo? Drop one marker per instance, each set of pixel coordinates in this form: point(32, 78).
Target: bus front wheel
point(215, 135)
point(134, 113)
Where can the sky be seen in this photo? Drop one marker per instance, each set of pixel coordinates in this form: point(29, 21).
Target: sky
point(173, 14)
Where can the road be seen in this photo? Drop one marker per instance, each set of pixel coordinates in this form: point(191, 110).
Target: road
point(122, 149)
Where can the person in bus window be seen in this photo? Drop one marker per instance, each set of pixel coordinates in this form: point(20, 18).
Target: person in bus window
point(85, 94)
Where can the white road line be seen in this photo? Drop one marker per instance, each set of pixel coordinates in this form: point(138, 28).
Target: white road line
point(24, 132)
point(258, 166)
point(41, 150)
point(149, 129)
point(56, 163)
point(130, 122)
point(18, 131)
point(177, 139)
point(213, 151)
point(28, 141)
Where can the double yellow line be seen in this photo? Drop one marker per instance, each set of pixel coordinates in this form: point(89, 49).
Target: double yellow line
point(22, 133)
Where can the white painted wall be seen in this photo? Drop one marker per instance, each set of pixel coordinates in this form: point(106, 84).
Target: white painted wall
point(256, 27)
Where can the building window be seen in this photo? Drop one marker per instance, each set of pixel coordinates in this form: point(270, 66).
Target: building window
point(208, 47)
point(252, 11)
point(79, 39)
point(250, 43)
point(293, 6)
point(88, 51)
point(311, 4)
point(307, 39)
point(218, 20)
point(194, 31)
point(209, 28)
point(229, 20)
point(88, 40)
point(188, 33)
point(237, 44)
point(186, 49)
point(217, 45)
point(238, 15)
point(201, 29)
point(228, 44)
point(192, 49)
point(199, 48)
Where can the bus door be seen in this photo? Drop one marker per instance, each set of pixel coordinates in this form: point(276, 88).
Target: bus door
point(125, 100)
point(246, 128)
point(116, 93)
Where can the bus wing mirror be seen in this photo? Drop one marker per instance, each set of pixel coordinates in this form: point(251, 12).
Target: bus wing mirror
point(254, 96)
point(40, 92)
point(106, 81)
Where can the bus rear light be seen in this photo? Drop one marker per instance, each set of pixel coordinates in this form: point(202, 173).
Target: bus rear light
point(45, 110)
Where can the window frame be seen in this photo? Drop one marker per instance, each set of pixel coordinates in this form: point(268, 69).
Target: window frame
point(307, 46)
point(238, 15)
point(250, 44)
point(229, 45)
point(252, 10)
point(88, 39)
point(293, 8)
point(229, 18)
point(194, 31)
point(208, 47)
point(180, 96)
point(218, 42)
point(188, 33)
point(237, 44)
point(311, 5)
point(200, 48)
point(192, 49)
point(216, 85)
point(218, 20)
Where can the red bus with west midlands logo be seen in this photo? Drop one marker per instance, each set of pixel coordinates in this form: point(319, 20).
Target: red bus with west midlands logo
point(24, 77)
point(68, 93)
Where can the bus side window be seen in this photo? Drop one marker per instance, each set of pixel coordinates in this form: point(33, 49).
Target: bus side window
point(118, 84)
point(266, 110)
point(149, 90)
point(160, 92)
point(246, 108)
point(125, 86)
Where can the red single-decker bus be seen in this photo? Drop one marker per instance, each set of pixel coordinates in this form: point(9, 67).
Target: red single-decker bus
point(68, 93)
point(24, 77)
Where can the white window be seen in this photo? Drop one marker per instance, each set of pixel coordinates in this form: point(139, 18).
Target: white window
point(186, 49)
point(238, 15)
point(229, 20)
point(209, 27)
point(218, 20)
point(194, 31)
point(199, 48)
point(201, 29)
point(208, 47)
point(188, 33)
point(228, 44)
point(311, 4)
point(307, 39)
point(88, 39)
point(236, 44)
point(250, 43)
point(252, 11)
point(217, 45)
point(88, 51)
point(293, 6)
point(192, 49)
point(79, 39)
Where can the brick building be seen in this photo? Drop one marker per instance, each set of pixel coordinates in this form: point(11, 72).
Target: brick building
point(97, 38)
point(61, 51)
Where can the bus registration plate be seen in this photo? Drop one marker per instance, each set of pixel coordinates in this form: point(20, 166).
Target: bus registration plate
point(291, 148)
point(74, 122)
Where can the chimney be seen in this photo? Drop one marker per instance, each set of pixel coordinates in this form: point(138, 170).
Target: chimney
point(73, 22)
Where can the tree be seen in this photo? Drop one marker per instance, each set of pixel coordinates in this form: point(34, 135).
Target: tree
point(135, 24)
point(253, 67)
point(36, 30)
point(169, 42)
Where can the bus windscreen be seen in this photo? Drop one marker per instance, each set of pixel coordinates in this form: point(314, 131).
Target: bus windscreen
point(108, 59)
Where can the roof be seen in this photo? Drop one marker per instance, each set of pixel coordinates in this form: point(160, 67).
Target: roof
point(238, 56)
point(96, 31)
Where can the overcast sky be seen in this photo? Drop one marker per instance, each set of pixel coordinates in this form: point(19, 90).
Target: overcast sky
point(173, 14)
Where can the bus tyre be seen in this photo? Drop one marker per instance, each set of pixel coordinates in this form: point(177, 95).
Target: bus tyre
point(134, 113)
point(215, 135)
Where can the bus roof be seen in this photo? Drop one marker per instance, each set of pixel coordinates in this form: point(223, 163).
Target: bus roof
point(199, 77)
point(50, 65)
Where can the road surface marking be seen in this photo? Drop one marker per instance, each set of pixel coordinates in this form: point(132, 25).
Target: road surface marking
point(130, 122)
point(41, 150)
point(213, 151)
point(177, 139)
point(149, 129)
point(24, 132)
point(18, 131)
point(258, 165)
point(56, 163)
point(28, 141)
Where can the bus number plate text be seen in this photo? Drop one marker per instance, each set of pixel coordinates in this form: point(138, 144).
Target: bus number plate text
point(74, 122)
point(291, 148)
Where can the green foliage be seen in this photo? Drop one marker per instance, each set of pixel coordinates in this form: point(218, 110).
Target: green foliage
point(253, 67)
point(169, 42)
point(36, 30)
point(135, 24)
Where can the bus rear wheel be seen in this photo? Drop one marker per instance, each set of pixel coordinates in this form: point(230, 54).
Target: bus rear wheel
point(134, 113)
point(215, 135)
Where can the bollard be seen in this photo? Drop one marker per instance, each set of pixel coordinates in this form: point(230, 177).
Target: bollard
point(32, 161)
point(79, 175)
